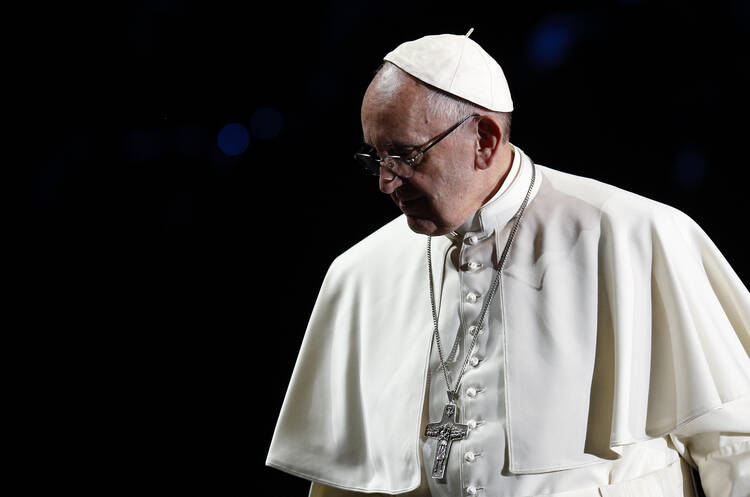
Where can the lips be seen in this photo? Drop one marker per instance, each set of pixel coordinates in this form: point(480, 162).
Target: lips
point(407, 201)
point(411, 206)
point(403, 198)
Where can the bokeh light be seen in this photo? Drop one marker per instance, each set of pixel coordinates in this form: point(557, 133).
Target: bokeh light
point(551, 41)
point(233, 139)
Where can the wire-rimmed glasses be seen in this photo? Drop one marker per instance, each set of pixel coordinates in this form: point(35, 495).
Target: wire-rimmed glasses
point(399, 165)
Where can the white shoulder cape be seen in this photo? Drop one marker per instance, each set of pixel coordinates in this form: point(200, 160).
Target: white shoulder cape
point(623, 322)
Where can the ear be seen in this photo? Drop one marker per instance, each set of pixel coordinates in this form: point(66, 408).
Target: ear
point(488, 141)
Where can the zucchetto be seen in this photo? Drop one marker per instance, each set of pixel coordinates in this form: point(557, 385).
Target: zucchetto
point(458, 65)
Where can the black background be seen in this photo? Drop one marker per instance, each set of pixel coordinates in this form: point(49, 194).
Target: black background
point(170, 284)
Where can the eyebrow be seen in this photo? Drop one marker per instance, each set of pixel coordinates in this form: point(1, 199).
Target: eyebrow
point(397, 145)
point(401, 145)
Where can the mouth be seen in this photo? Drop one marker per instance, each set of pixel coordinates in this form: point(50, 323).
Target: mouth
point(410, 205)
point(410, 202)
point(405, 198)
point(407, 201)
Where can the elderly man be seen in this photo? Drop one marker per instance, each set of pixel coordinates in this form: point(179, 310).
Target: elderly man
point(550, 335)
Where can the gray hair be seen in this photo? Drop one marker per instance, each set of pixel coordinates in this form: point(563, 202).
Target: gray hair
point(443, 104)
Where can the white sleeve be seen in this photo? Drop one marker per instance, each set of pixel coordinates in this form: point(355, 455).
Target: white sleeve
point(723, 462)
point(717, 444)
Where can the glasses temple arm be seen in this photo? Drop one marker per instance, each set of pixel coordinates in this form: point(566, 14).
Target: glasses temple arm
point(436, 140)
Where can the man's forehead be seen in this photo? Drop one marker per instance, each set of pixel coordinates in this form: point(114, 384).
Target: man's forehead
point(394, 129)
point(397, 122)
point(395, 87)
point(391, 138)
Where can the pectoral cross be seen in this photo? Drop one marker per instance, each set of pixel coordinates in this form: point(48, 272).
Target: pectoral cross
point(446, 431)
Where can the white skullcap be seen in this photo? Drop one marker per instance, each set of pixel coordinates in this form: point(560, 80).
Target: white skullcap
point(458, 65)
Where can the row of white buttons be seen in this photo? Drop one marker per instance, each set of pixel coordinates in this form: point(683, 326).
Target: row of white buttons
point(472, 298)
point(470, 456)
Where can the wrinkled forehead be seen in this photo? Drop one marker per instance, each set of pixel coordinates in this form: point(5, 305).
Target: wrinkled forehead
point(395, 112)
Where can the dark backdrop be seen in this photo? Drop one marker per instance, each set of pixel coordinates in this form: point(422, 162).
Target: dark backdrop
point(195, 181)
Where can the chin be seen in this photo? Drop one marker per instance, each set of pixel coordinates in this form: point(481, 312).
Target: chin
point(425, 226)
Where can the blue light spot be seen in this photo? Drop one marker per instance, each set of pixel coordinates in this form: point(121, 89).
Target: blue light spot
point(233, 139)
point(690, 168)
point(266, 123)
point(551, 41)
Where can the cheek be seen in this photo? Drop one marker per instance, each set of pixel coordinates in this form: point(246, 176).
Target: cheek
point(452, 198)
point(445, 185)
point(451, 186)
point(445, 201)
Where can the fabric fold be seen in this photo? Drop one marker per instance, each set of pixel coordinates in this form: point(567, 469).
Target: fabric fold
point(623, 323)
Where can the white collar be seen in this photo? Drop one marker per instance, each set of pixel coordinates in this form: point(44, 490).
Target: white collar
point(501, 208)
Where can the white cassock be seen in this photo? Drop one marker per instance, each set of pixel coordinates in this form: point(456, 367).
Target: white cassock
point(617, 342)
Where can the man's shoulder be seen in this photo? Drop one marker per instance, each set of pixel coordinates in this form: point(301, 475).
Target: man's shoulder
point(392, 245)
point(612, 202)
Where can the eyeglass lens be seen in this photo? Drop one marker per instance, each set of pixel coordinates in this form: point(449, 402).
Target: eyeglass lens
point(371, 162)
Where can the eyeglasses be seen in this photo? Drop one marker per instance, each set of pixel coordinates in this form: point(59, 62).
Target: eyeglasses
point(399, 165)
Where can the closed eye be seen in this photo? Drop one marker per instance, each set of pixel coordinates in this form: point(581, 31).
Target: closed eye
point(405, 151)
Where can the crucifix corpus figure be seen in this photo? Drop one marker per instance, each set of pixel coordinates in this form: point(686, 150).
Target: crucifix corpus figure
point(446, 431)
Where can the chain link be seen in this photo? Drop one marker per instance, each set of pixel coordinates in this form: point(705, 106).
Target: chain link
point(453, 392)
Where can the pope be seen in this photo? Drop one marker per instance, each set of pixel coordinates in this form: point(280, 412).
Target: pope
point(518, 331)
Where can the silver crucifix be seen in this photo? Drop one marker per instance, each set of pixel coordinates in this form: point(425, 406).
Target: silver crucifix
point(446, 431)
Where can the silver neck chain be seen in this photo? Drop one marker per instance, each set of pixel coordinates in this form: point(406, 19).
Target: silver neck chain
point(453, 392)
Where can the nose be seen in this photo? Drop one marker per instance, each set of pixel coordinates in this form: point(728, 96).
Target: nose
point(388, 181)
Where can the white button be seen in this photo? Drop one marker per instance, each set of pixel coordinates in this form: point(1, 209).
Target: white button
point(474, 361)
point(471, 392)
point(472, 297)
point(473, 266)
point(469, 456)
point(471, 490)
point(473, 239)
point(471, 424)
